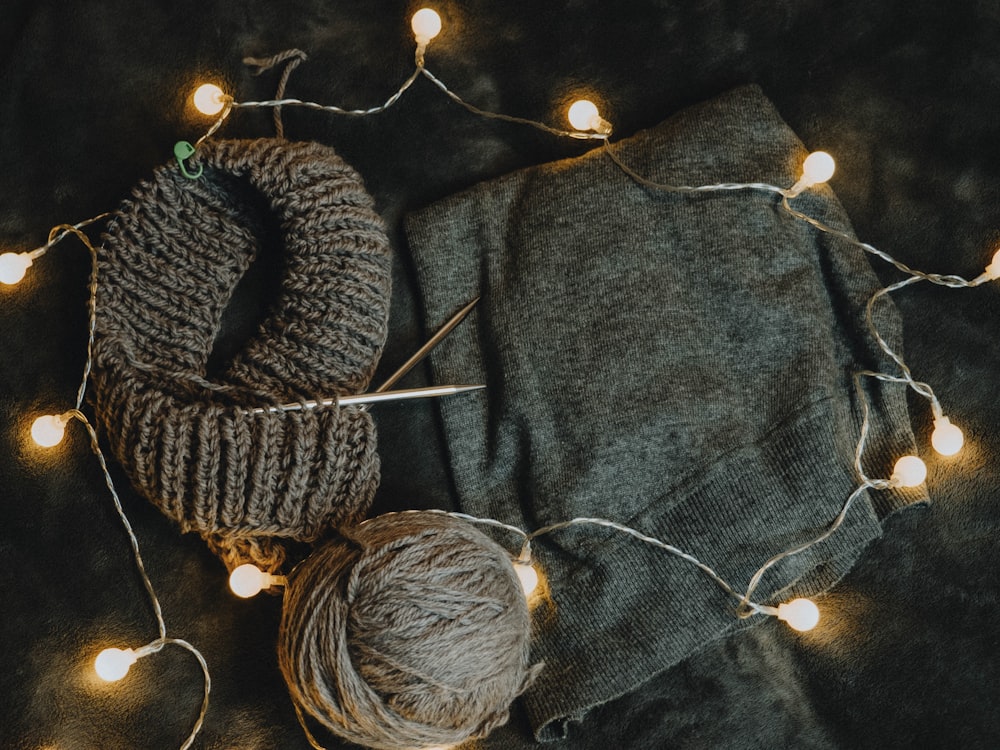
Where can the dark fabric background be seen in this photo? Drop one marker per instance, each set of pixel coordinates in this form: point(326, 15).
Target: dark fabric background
point(92, 96)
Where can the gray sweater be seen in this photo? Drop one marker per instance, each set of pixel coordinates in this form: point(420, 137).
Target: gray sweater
point(678, 363)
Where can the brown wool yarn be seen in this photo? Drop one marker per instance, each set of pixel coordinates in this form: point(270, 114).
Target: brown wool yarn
point(168, 266)
point(409, 632)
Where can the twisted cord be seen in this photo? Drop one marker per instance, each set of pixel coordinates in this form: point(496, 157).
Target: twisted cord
point(508, 118)
point(133, 540)
point(328, 107)
point(922, 388)
point(723, 186)
point(949, 280)
point(278, 102)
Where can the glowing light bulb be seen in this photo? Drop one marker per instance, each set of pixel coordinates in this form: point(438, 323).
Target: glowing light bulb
point(800, 614)
point(426, 25)
point(48, 431)
point(13, 266)
point(818, 167)
point(992, 270)
point(248, 580)
point(209, 99)
point(527, 575)
point(114, 663)
point(909, 471)
point(583, 115)
point(947, 439)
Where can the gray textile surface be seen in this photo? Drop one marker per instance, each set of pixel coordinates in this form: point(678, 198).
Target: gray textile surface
point(679, 363)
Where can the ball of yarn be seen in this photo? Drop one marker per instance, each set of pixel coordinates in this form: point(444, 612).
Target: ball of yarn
point(411, 631)
point(170, 262)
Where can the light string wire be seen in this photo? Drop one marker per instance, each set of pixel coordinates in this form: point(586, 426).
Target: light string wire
point(62, 231)
point(294, 57)
point(746, 606)
point(58, 233)
point(913, 275)
point(230, 104)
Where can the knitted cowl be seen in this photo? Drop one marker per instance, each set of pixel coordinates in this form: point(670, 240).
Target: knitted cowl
point(169, 264)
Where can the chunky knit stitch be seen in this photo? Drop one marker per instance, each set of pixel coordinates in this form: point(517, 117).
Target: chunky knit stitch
point(168, 267)
point(681, 363)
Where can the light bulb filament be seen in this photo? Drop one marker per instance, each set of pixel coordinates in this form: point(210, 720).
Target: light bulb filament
point(527, 575)
point(992, 271)
point(426, 25)
point(112, 664)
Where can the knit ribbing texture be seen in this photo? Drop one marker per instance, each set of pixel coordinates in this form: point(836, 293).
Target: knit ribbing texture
point(680, 363)
point(168, 267)
point(410, 631)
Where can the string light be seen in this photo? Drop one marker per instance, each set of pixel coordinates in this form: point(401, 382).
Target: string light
point(112, 664)
point(909, 471)
point(426, 25)
point(947, 438)
point(818, 168)
point(248, 580)
point(584, 115)
point(13, 266)
point(48, 431)
point(800, 614)
point(209, 99)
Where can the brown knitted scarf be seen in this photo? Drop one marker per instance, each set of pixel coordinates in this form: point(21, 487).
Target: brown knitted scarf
point(168, 266)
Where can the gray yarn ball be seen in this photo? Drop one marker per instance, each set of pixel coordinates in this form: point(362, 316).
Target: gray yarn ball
point(412, 631)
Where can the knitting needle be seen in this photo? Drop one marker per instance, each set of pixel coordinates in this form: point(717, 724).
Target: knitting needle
point(370, 398)
point(426, 348)
point(382, 393)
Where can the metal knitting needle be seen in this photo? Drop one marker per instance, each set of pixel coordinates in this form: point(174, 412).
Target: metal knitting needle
point(370, 398)
point(426, 348)
point(382, 393)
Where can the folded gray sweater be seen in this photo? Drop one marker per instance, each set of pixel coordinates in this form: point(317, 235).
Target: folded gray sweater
point(679, 363)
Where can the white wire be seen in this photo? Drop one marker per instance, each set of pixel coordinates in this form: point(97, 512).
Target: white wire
point(746, 605)
point(58, 233)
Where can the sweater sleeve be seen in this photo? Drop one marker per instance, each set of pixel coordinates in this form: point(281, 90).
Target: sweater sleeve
point(680, 363)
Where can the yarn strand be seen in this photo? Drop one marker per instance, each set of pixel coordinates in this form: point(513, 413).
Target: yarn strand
point(294, 58)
